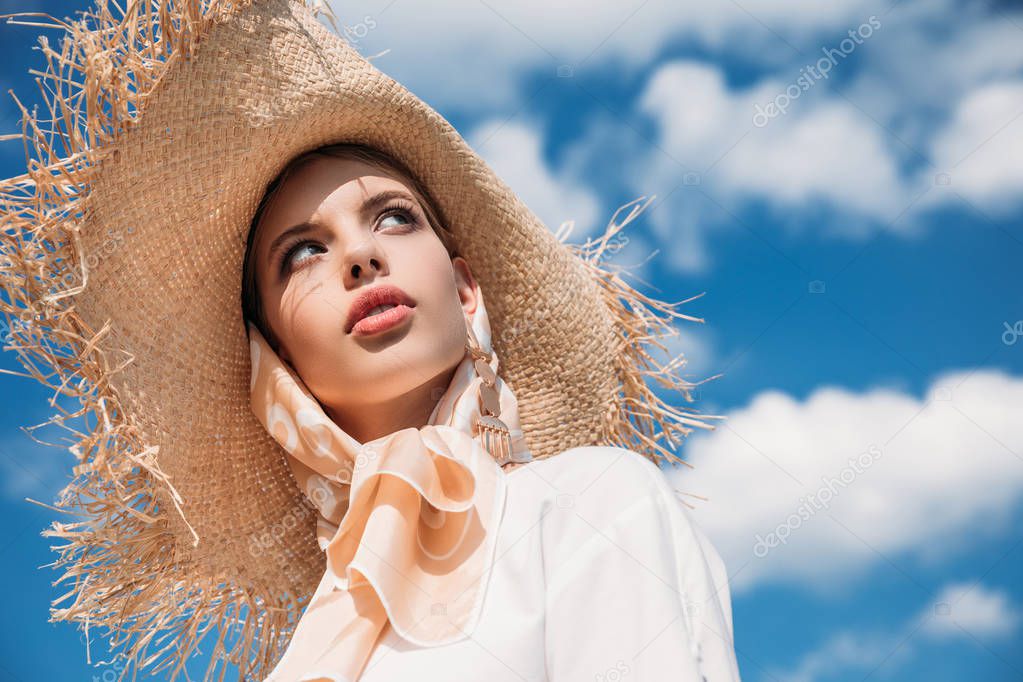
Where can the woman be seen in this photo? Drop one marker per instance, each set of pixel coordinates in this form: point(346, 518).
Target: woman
point(340, 489)
point(595, 576)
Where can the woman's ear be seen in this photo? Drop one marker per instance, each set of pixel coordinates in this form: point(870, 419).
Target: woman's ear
point(466, 285)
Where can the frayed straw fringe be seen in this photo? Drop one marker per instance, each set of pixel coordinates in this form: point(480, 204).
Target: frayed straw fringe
point(118, 556)
point(640, 419)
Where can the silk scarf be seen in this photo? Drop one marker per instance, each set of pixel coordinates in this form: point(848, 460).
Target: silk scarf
point(407, 521)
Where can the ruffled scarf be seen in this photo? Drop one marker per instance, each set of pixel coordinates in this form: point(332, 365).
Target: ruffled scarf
point(407, 521)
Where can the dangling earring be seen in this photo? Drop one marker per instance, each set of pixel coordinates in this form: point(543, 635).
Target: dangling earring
point(494, 434)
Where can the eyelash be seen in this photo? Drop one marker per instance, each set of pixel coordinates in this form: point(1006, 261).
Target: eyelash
point(398, 207)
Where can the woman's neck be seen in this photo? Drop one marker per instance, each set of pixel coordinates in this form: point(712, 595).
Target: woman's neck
point(367, 422)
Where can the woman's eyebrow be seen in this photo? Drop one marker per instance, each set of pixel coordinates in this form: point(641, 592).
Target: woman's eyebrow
point(374, 202)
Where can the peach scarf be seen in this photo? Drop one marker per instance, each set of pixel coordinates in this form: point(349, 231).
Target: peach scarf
point(407, 521)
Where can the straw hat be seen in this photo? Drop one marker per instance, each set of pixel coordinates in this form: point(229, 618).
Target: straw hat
point(122, 249)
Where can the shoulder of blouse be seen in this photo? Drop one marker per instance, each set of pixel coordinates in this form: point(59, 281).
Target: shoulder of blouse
point(591, 493)
point(583, 492)
point(604, 475)
point(620, 526)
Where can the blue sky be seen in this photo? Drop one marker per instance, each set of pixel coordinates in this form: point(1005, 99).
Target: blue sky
point(858, 247)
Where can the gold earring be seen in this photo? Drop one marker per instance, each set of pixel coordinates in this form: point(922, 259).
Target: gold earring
point(495, 436)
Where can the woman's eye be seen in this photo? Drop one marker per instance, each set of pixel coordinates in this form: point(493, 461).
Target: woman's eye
point(293, 258)
point(402, 215)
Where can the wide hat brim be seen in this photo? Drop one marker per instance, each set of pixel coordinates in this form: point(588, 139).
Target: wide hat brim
point(137, 234)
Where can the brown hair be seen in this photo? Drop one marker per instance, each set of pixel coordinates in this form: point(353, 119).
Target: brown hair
point(252, 306)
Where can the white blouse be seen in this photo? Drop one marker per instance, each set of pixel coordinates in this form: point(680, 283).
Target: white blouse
point(599, 575)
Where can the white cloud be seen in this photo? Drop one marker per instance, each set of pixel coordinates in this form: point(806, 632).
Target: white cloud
point(979, 611)
point(709, 158)
point(514, 151)
point(843, 652)
point(913, 99)
point(982, 147)
point(916, 103)
point(933, 474)
point(476, 52)
point(916, 75)
point(815, 151)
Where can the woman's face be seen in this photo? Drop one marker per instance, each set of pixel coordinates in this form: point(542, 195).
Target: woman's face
point(362, 228)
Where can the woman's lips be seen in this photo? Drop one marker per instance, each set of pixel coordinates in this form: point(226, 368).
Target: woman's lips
point(371, 298)
point(374, 324)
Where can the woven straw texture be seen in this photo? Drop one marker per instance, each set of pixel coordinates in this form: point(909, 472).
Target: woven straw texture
point(122, 250)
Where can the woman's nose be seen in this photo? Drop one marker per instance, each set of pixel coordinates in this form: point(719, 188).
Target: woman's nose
point(363, 259)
